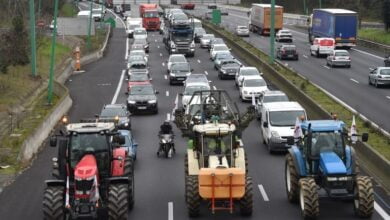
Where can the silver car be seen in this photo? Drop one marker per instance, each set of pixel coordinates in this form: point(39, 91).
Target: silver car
point(242, 31)
point(205, 40)
point(339, 58)
point(379, 76)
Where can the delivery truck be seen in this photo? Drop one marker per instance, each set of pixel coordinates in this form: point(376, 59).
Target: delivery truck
point(260, 18)
point(339, 24)
point(150, 16)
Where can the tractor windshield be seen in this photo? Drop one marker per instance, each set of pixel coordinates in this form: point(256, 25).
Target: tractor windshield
point(92, 143)
point(216, 145)
point(327, 142)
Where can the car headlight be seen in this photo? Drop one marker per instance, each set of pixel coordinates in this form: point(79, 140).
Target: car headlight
point(163, 140)
point(223, 70)
point(274, 134)
point(187, 74)
point(126, 124)
point(130, 102)
point(171, 74)
point(152, 101)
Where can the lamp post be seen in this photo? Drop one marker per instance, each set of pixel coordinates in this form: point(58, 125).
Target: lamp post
point(53, 54)
point(89, 26)
point(32, 39)
point(272, 33)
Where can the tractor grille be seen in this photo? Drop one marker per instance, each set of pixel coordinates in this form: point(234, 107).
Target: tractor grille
point(84, 186)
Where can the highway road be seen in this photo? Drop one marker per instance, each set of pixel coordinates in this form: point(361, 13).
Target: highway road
point(159, 182)
point(349, 85)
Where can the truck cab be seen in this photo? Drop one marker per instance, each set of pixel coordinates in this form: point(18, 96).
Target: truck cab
point(179, 38)
point(150, 16)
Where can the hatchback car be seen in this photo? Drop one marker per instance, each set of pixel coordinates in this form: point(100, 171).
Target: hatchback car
point(228, 68)
point(197, 77)
point(179, 72)
point(244, 72)
point(379, 76)
point(215, 41)
point(142, 98)
point(252, 87)
point(175, 58)
point(339, 58)
point(138, 53)
point(137, 67)
point(219, 57)
point(143, 42)
point(242, 31)
point(205, 40)
point(130, 145)
point(140, 33)
point(218, 48)
point(191, 88)
point(117, 112)
point(138, 79)
point(135, 58)
point(287, 51)
point(284, 35)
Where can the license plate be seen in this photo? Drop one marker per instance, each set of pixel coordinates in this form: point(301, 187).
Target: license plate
point(290, 55)
point(142, 107)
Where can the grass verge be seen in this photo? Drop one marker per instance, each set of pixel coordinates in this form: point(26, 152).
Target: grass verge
point(376, 35)
point(68, 10)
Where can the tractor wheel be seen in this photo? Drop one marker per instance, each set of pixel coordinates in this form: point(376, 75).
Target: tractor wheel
point(186, 164)
point(364, 197)
point(129, 172)
point(118, 205)
point(308, 198)
point(53, 203)
point(246, 202)
point(192, 196)
point(246, 164)
point(291, 178)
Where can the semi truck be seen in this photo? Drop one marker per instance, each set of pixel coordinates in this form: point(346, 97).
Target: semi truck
point(260, 18)
point(339, 24)
point(150, 16)
point(179, 38)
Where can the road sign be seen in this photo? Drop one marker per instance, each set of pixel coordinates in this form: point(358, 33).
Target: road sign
point(216, 17)
point(111, 21)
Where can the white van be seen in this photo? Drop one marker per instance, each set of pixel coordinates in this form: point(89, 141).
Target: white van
point(322, 46)
point(278, 123)
point(133, 23)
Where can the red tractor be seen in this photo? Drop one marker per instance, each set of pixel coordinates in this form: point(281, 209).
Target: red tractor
point(92, 172)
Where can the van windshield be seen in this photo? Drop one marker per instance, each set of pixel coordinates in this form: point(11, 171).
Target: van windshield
point(284, 118)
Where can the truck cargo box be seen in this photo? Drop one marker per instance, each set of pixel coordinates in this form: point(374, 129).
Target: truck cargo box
point(260, 18)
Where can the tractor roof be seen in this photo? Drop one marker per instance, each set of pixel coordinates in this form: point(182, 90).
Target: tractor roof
point(215, 128)
point(90, 127)
point(323, 125)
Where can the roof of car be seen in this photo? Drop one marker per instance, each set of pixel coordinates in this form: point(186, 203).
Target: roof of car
point(273, 93)
point(252, 77)
point(282, 106)
point(248, 68)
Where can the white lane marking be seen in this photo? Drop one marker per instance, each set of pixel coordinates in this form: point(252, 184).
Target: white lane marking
point(118, 88)
point(327, 67)
point(165, 77)
point(104, 84)
point(380, 211)
point(214, 87)
point(167, 93)
point(263, 193)
point(168, 116)
point(170, 210)
point(198, 61)
point(366, 53)
point(305, 56)
point(160, 54)
point(388, 97)
point(205, 72)
point(127, 48)
point(155, 40)
point(158, 46)
point(354, 80)
point(163, 64)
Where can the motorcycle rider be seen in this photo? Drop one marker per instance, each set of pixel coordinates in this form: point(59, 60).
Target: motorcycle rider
point(166, 128)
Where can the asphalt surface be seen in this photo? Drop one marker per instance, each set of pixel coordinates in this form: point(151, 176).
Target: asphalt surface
point(349, 85)
point(159, 183)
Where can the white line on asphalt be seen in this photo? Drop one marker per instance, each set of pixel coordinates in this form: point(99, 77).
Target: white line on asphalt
point(327, 67)
point(369, 54)
point(165, 77)
point(155, 40)
point(118, 88)
point(170, 210)
point(168, 116)
point(198, 61)
point(354, 80)
point(163, 64)
point(214, 87)
point(160, 54)
point(167, 93)
point(205, 72)
point(305, 56)
point(388, 97)
point(158, 46)
point(380, 211)
point(127, 48)
point(263, 193)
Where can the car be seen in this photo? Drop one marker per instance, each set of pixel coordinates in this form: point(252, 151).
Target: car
point(137, 67)
point(287, 51)
point(192, 87)
point(215, 41)
point(162, 27)
point(268, 97)
point(198, 33)
point(175, 58)
point(196, 77)
point(197, 23)
point(179, 19)
point(379, 76)
point(387, 61)
point(137, 47)
point(117, 112)
point(135, 58)
point(339, 58)
point(142, 98)
point(224, 11)
point(143, 42)
point(244, 72)
point(126, 15)
point(130, 145)
point(188, 6)
point(132, 24)
point(140, 52)
point(228, 68)
point(51, 26)
point(138, 79)
point(218, 48)
point(178, 72)
point(252, 86)
point(208, 15)
point(322, 46)
point(212, 6)
point(242, 31)
point(205, 40)
point(140, 33)
point(284, 35)
point(220, 56)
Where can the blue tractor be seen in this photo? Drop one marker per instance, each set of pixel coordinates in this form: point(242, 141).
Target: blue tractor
point(321, 163)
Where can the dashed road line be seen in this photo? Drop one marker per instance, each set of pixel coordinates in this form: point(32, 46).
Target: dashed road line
point(104, 84)
point(163, 64)
point(327, 67)
point(198, 61)
point(305, 56)
point(263, 193)
point(214, 87)
point(170, 210)
point(165, 77)
point(155, 40)
point(160, 54)
point(127, 48)
point(167, 93)
point(158, 46)
point(205, 72)
point(118, 88)
point(354, 80)
point(388, 97)
point(168, 116)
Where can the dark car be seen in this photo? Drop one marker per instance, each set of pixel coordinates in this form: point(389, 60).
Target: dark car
point(198, 33)
point(143, 42)
point(179, 72)
point(387, 61)
point(117, 112)
point(287, 51)
point(212, 6)
point(228, 68)
point(138, 66)
point(142, 98)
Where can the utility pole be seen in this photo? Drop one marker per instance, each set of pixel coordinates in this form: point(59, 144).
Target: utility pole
point(102, 14)
point(39, 8)
point(304, 7)
point(32, 39)
point(272, 33)
point(89, 27)
point(53, 54)
point(320, 3)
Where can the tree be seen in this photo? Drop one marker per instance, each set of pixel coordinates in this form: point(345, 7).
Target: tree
point(386, 14)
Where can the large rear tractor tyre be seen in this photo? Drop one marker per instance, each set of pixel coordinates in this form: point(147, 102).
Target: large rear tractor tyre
point(129, 172)
point(54, 203)
point(118, 205)
point(291, 178)
point(192, 196)
point(364, 197)
point(308, 198)
point(246, 203)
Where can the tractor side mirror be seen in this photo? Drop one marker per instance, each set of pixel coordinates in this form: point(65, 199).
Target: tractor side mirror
point(364, 137)
point(119, 139)
point(265, 124)
point(135, 144)
point(53, 141)
point(290, 140)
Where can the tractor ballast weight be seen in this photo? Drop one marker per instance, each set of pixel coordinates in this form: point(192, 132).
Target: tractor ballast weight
point(92, 172)
point(323, 159)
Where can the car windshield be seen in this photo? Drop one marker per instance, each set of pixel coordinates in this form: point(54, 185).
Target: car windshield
point(141, 90)
point(208, 36)
point(138, 77)
point(191, 89)
point(249, 72)
point(290, 47)
point(285, 32)
point(137, 47)
point(140, 32)
point(80, 144)
point(385, 72)
point(138, 66)
point(180, 17)
point(196, 78)
point(284, 118)
point(223, 56)
point(217, 145)
point(139, 41)
point(182, 36)
point(151, 14)
point(177, 59)
point(327, 142)
point(242, 28)
point(275, 98)
point(254, 83)
point(217, 41)
point(112, 112)
point(180, 67)
point(137, 53)
point(197, 24)
point(341, 54)
point(220, 48)
point(230, 63)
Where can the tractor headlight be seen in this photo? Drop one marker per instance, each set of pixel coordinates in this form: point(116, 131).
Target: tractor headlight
point(342, 178)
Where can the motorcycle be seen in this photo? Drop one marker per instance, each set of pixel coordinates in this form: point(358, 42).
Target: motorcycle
point(167, 147)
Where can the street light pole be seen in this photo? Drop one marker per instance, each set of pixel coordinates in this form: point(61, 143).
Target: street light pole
point(32, 39)
point(53, 54)
point(272, 33)
point(39, 8)
point(320, 3)
point(304, 7)
point(89, 27)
